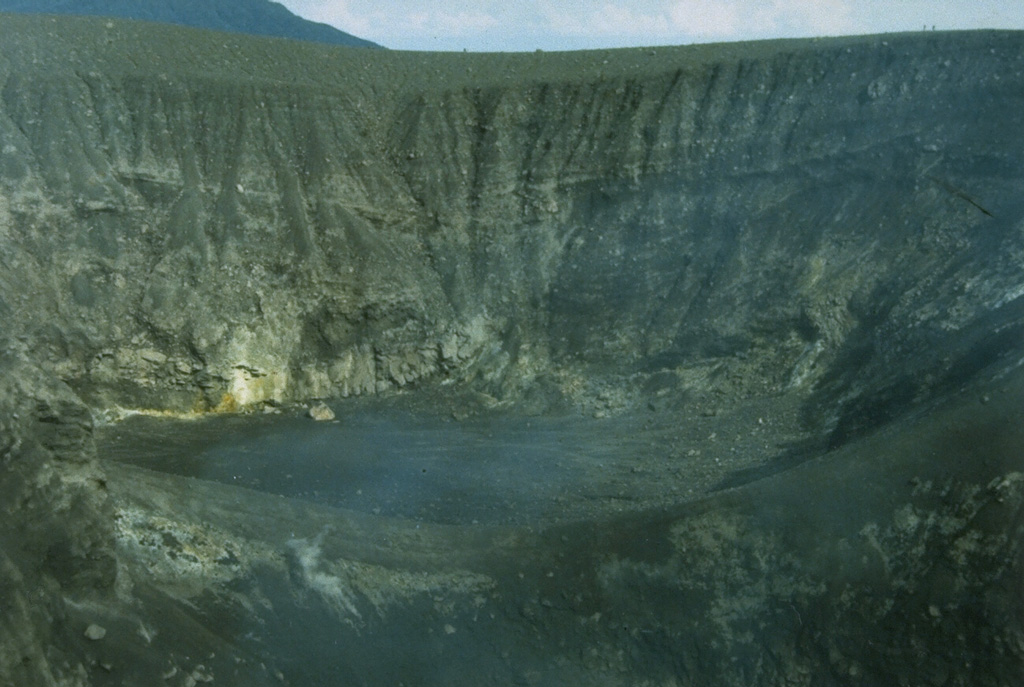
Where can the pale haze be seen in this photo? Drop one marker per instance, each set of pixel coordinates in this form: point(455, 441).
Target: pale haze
point(522, 25)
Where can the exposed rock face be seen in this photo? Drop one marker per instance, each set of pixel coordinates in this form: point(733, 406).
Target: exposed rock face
point(199, 222)
point(198, 237)
point(56, 536)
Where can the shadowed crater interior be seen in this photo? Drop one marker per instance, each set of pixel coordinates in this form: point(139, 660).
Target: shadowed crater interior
point(695, 365)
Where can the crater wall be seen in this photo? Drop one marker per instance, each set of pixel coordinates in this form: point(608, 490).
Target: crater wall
point(218, 222)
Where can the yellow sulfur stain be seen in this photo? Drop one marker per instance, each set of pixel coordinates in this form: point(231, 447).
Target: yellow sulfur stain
point(228, 404)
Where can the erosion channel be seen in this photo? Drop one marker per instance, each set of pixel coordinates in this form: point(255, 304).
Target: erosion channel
point(668, 366)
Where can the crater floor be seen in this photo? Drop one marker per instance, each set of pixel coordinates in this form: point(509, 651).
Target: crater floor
point(497, 467)
point(505, 547)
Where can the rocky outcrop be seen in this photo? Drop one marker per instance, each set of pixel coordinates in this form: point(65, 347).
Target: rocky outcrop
point(56, 536)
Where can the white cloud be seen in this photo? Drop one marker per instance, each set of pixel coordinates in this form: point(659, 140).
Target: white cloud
point(607, 19)
point(339, 13)
point(707, 19)
point(805, 17)
point(464, 23)
point(689, 20)
point(553, 24)
point(402, 21)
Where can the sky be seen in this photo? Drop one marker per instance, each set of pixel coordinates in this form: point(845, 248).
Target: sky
point(527, 25)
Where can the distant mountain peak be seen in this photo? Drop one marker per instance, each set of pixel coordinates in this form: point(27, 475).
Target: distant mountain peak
point(257, 17)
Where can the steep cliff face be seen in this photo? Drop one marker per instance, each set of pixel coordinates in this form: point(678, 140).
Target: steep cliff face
point(195, 222)
point(56, 535)
point(211, 223)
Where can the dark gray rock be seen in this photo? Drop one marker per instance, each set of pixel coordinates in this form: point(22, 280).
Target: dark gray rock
point(56, 539)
